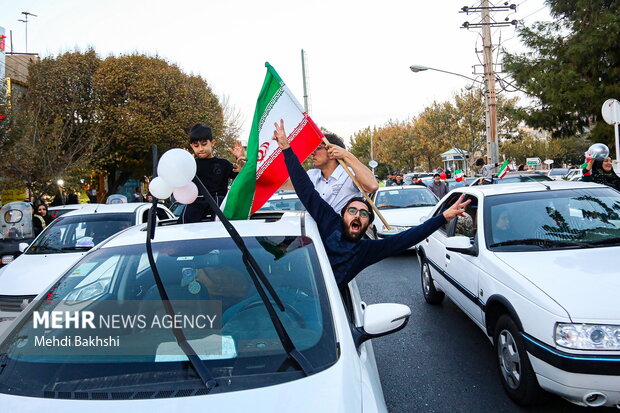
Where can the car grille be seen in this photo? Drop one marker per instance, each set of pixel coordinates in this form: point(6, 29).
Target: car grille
point(15, 303)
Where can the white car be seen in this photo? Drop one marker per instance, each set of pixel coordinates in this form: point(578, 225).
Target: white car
point(59, 246)
point(402, 207)
point(327, 363)
point(284, 201)
point(60, 210)
point(558, 174)
point(535, 266)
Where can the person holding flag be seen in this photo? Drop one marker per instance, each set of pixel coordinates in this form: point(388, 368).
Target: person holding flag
point(342, 233)
point(488, 171)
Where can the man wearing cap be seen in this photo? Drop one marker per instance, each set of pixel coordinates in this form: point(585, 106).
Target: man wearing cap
point(342, 232)
point(212, 171)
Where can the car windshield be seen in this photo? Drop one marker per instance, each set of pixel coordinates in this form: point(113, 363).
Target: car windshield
point(216, 305)
point(558, 171)
point(405, 198)
point(576, 218)
point(288, 204)
point(79, 232)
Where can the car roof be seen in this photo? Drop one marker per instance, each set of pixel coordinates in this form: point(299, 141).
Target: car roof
point(107, 208)
point(520, 187)
point(388, 188)
point(70, 206)
point(290, 224)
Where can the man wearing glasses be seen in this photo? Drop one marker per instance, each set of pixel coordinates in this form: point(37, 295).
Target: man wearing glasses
point(342, 234)
point(331, 180)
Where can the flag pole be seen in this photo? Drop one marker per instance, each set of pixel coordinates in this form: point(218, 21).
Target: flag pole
point(344, 165)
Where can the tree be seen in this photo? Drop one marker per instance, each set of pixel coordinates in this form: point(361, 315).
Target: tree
point(52, 136)
point(143, 101)
point(572, 68)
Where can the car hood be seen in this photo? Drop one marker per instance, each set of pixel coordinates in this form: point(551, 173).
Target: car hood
point(30, 274)
point(312, 394)
point(585, 281)
point(406, 217)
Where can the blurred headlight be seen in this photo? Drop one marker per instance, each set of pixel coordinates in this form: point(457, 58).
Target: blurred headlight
point(89, 292)
point(588, 336)
point(7, 259)
point(394, 229)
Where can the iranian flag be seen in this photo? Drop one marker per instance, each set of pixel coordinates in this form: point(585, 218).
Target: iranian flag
point(458, 174)
point(503, 169)
point(265, 171)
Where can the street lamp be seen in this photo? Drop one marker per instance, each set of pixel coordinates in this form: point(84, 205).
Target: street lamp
point(491, 114)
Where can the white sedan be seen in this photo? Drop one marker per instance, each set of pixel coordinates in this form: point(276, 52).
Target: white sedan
point(59, 246)
point(402, 207)
point(310, 354)
point(536, 267)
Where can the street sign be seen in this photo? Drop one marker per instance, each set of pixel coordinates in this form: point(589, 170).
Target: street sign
point(611, 115)
point(548, 161)
point(532, 161)
point(373, 164)
point(611, 111)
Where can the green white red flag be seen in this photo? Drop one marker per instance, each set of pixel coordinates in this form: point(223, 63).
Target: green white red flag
point(265, 171)
point(503, 169)
point(458, 174)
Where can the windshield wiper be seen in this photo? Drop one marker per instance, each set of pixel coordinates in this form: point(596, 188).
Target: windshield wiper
point(542, 242)
point(257, 276)
point(418, 205)
point(76, 248)
point(606, 241)
point(43, 249)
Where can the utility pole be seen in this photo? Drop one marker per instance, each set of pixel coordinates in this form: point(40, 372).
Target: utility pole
point(305, 80)
point(489, 70)
point(25, 21)
point(489, 81)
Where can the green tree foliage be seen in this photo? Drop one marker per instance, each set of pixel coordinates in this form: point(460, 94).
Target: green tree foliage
point(143, 101)
point(572, 68)
point(562, 150)
point(419, 143)
point(52, 135)
point(82, 113)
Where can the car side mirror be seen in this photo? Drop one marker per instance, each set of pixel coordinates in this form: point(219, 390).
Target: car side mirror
point(381, 320)
point(23, 246)
point(461, 244)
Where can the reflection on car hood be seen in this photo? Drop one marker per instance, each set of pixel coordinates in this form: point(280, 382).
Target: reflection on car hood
point(307, 395)
point(30, 274)
point(406, 217)
point(585, 281)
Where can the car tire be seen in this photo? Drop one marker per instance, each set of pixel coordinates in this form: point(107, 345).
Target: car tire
point(515, 370)
point(431, 295)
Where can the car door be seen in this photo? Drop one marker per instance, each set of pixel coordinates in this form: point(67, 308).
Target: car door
point(463, 270)
point(434, 244)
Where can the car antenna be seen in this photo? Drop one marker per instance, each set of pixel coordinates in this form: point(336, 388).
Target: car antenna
point(201, 370)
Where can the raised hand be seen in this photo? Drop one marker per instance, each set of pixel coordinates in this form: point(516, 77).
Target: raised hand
point(238, 150)
point(457, 209)
point(280, 136)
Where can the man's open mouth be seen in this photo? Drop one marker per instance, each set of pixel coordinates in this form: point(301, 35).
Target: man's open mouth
point(356, 226)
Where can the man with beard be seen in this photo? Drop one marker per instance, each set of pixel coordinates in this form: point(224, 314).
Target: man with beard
point(342, 234)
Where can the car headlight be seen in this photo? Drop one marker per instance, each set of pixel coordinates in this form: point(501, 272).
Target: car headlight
point(394, 229)
point(7, 259)
point(588, 336)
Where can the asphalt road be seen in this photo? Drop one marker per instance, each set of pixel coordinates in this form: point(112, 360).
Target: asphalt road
point(441, 362)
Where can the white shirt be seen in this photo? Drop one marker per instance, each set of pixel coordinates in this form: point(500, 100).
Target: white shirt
point(335, 190)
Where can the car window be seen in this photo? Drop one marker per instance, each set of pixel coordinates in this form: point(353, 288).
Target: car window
point(467, 225)
point(201, 277)
point(405, 198)
point(587, 218)
point(445, 205)
point(79, 232)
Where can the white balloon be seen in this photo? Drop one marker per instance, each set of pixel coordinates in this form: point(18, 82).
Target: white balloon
point(159, 188)
point(186, 194)
point(177, 167)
